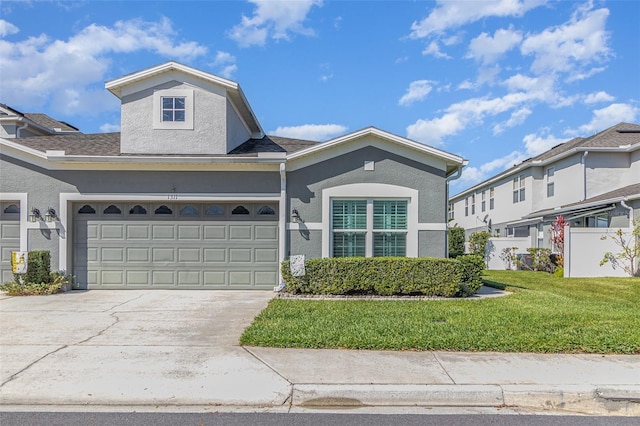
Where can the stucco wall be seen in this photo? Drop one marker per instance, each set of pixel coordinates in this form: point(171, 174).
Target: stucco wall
point(305, 187)
point(236, 131)
point(209, 134)
point(607, 171)
point(44, 186)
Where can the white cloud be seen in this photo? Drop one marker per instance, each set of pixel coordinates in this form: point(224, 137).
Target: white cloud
point(226, 63)
point(109, 128)
point(609, 116)
point(452, 14)
point(466, 85)
point(326, 77)
point(572, 47)
point(275, 19)
point(69, 75)
point(597, 97)
point(517, 117)
point(433, 49)
point(313, 132)
point(487, 49)
point(7, 28)
point(417, 91)
point(536, 144)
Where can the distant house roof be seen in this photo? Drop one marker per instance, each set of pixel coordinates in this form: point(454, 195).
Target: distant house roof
point(630, 192)
point(41, 120)
point(108, 145)
point(622, 136)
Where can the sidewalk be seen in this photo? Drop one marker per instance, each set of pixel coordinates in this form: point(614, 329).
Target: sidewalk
point(141, 350)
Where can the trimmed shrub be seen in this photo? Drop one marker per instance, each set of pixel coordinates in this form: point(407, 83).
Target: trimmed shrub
point(385, 276)
point(541, 259)
point(38, 268)
point(478, 243)
point(456, 241)
point(473, 265)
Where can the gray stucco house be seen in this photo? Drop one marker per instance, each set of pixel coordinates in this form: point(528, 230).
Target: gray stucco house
point(192, 193)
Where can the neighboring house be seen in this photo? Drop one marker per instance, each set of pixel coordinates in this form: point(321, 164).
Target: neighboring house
point(592, 182)
point(15, 124)
point(192, 194)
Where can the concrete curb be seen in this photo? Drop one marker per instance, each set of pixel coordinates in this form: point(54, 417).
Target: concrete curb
point(585, 399)
point(310, 395)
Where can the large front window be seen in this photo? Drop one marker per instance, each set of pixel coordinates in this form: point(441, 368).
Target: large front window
point(369, 227)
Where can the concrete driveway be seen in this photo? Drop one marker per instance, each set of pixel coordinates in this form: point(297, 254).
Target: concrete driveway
point(133, 348)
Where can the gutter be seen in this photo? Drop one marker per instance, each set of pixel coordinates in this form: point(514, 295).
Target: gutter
point(631, 218)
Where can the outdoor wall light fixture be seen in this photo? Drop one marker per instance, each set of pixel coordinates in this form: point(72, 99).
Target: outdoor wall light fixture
point(51, 215)
point(295, 216)
point(34, 215)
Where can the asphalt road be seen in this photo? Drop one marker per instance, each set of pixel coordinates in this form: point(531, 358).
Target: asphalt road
point(299, 419)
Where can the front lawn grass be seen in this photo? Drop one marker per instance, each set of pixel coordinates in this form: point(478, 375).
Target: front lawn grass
point(544, 314)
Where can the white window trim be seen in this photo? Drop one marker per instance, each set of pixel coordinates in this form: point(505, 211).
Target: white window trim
point(371, 191)
point(187, 124)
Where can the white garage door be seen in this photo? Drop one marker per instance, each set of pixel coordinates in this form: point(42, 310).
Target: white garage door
point(186, 246)
point(9, 237)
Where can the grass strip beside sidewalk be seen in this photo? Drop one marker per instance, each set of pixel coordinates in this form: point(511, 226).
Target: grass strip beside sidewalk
point(545, 314)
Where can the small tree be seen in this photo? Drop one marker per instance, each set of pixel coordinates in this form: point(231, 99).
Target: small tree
point(557, 238)
point(478, 243)
point(630, 250)
point(456, 241)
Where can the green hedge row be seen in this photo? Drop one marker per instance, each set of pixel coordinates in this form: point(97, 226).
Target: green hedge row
point(387, 276)
point(38, 268)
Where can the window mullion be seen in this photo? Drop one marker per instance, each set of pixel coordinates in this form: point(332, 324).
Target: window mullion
point(369, 236)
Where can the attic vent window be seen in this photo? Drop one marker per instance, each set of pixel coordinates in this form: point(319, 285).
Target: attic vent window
point(173, 108)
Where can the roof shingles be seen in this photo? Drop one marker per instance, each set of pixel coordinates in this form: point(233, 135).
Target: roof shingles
point(108, 145)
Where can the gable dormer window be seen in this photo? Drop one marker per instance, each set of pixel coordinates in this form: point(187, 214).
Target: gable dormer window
point(173, 108)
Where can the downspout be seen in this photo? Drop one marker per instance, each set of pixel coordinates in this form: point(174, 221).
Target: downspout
point(631, 218)
point(583, 160)
point(454, 176)
point(22, 127)
point(283, 224)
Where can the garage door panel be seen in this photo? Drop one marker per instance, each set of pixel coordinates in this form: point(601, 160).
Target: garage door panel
point(163, 232)
point(240, 255)
point(112, 254)
point(137, 232)
point(240, 232)
point(163, 278)
point(168, 253)
point(265, 279)
point(266, 255)
point(112, 232)
point(189, 278)
point(139, 278)
point(189, 255)
point(215, 279)
point(138, 254)
point(10, 231)
point(217, 255)
point(215, 232)
point(239, 278)
point(266, 232)
point(189, 232)
point(112, 278)
point(163, 254)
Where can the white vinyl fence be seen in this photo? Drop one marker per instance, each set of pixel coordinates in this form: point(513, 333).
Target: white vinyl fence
point(584, 249)
point(495, 257)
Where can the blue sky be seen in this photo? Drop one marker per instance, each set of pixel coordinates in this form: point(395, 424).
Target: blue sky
point(493, 81)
